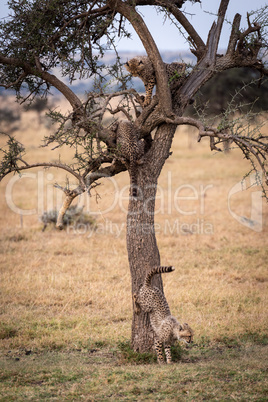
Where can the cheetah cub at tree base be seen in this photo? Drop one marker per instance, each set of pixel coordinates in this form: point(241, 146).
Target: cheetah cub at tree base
point(142, 67)
point(166, 328)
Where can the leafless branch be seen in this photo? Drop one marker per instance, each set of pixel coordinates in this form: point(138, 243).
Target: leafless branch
point(234, 37)
point(249, 146)
point(70, 195)
point(251, 28)
point(215, 32)
point(196, 40)
point(48, 165)
point(118, 110)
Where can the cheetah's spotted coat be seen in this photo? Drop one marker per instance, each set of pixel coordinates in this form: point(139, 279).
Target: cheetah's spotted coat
point(130, 148)
point(142, 67)
point(166, 328)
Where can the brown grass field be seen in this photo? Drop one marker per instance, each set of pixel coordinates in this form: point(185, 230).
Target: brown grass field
point(65, 297)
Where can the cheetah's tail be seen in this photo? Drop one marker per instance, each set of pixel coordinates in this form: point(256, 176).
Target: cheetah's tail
point(133, 178)
point(157, 270)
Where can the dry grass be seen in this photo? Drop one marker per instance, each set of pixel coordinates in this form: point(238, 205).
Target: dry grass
point(82, 277)
point(230, 375)
point(71, 290)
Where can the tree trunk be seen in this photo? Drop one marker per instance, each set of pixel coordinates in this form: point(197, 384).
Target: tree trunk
point(142, 248)
point(143, 254)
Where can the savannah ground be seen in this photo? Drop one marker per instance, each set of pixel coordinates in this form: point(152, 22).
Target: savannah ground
point(66, 300)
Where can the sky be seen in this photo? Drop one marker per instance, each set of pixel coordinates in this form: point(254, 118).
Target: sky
point(201, 16)
point(167, 36)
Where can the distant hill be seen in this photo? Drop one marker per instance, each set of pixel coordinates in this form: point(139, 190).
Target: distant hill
point(110, 58)
point(168, 56)
point(215, 94)
point(80, 86)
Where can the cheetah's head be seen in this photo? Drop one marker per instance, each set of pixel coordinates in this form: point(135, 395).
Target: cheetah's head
point(184, 333)
point(139, 66)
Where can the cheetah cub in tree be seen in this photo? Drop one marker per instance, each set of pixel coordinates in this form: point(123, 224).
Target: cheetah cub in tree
point(130, 148)
point(166, 328)
point(142, 67)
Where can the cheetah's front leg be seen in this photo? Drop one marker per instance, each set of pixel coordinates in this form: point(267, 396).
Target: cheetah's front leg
point(168, 354)
point(148, 93)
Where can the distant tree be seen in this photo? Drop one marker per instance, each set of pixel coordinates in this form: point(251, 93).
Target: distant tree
point(241, 86)
point(72, 36)
point(38, 105)
point(8, 116)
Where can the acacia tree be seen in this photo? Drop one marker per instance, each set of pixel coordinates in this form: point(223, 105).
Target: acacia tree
point(71, 37)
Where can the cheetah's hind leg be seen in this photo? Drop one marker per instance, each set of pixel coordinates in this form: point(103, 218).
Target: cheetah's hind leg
point(137, 307)
point(159, 352)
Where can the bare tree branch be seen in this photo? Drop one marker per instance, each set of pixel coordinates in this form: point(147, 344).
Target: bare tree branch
point(62, 166)
point(258, 147)
point(234, 34)
point(243, 55)
point(215, 32)
point(196, 40)
point(69, 197)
